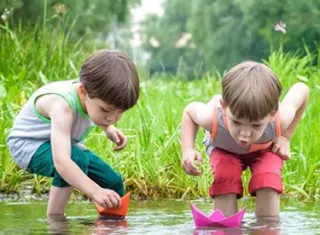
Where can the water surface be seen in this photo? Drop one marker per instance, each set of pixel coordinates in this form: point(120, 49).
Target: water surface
point(153, 217)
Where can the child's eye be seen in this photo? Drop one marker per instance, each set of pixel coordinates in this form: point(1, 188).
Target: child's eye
point(103, 110)
point(236, 122)
point(256, 126)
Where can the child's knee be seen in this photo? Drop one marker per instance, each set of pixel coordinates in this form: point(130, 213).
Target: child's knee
point(80, 158)
point(267, 192)
point(266, 173)
point(118, 187)
point(226, 185)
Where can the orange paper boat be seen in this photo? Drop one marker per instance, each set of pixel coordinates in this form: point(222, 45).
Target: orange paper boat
point(122, 211)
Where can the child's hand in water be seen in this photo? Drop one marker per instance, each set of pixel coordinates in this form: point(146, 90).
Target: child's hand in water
point(117, 137)
point(282, 147)
point(191, 158)
point(107, 198)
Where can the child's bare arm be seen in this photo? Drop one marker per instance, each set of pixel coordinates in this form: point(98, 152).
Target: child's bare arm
point(194, 116)
point(61, 117)
point(292, 108)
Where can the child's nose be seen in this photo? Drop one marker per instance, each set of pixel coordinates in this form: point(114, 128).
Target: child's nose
point(112, 119)
point(109, 119)
point(245, 132)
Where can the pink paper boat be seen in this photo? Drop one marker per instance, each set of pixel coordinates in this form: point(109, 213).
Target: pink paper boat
point(216, 219)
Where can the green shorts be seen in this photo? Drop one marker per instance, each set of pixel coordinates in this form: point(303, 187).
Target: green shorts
point(96, 169)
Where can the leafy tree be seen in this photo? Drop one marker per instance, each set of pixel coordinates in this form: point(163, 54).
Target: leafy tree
point(223, 37)
point(225, 32)
point(168, 39)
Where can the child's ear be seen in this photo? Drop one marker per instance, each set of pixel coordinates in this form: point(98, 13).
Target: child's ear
point(223, 107)
point(272, 116)
point(82, 91)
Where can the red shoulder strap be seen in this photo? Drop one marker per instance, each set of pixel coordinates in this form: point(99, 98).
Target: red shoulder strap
point(214, 123)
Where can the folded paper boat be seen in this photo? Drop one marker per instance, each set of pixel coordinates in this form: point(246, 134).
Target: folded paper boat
point(122, 211)
point(216, 218)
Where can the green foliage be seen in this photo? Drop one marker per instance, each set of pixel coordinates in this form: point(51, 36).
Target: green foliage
point(88, 16)
point(227, 32)
point(30, 57)
point(167, 30)
point(150, 164)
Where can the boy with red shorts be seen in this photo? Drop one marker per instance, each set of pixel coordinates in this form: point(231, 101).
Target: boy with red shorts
point(245, 127)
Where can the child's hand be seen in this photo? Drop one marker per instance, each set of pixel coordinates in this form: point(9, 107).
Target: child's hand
point(282, 147)
point(107, 198)
point(190, 158)
point(117, 137)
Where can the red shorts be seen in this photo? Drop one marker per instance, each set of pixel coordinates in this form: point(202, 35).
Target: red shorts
point(227, 170)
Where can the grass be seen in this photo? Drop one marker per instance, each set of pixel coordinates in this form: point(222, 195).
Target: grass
point(150, 164)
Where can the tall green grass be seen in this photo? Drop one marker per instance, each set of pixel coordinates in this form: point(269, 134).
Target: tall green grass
point(151, 163)
point(30, 57)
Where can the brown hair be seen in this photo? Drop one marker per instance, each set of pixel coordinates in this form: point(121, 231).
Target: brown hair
point(112, 77)
point(251, 90)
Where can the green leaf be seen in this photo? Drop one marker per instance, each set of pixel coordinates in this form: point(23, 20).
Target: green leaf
point(302, 78)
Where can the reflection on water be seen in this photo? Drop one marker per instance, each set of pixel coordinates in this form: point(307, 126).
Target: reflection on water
point(152, 217)
point(262, 226)
point(60, 224)
point(105, 226)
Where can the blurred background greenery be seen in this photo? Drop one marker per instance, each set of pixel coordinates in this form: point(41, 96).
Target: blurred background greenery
point(181, 37)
